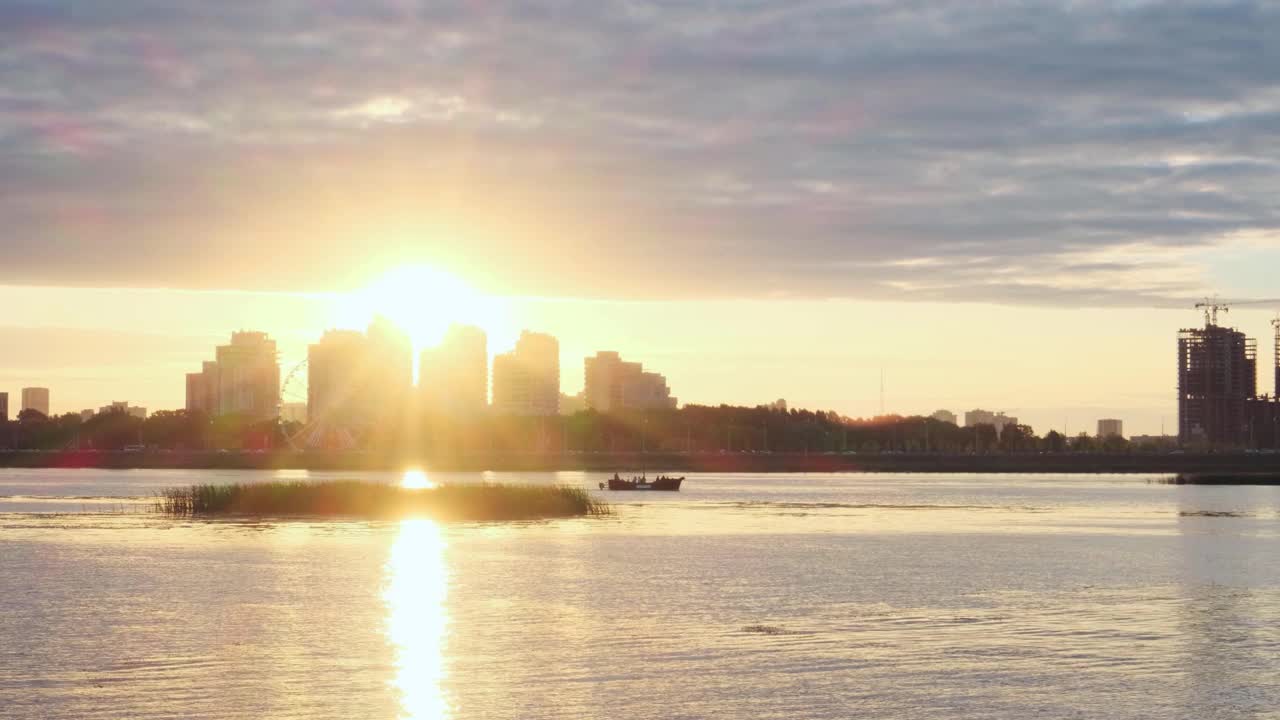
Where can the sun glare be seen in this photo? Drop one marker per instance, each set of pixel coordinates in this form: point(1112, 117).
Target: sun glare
point(416, 480)
point(423, 301)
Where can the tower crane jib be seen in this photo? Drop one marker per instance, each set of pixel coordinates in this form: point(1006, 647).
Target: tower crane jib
point(1212, 305)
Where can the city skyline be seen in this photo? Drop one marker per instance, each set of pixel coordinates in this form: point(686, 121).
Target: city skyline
point(455, 382)
point(918, 379)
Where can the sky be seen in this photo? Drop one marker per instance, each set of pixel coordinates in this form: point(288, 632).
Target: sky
point(1006, 205)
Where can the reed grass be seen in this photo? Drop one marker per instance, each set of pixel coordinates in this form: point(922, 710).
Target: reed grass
point(1223, 478)
point(372, 500)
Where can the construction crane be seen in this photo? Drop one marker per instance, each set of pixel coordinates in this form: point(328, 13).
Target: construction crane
point(1212, 305)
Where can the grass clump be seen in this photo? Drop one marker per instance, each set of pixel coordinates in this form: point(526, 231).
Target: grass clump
point(372, 500)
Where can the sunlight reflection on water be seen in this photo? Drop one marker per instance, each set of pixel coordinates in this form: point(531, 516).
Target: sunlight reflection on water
point(418, 584)
point(771, 597)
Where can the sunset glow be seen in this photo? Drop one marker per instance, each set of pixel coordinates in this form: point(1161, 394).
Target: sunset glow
point(839, 358)
point(422, 300)
point(416, 479)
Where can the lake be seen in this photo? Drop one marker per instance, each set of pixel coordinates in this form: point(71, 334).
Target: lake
point(742, 596)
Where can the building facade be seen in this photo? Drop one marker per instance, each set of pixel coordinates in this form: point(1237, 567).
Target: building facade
point(453, 377)
point(4, 407)
point(202, 389)
point(243, 378)
point(337, 366)
point(1217, 378)
point(1262, 418)
point(120, 406)
point(249, 376)
point(610, 383)
point(1108, 427)
point(526, 381)
point(36, 398)
point(571, 404)
point(388, 382)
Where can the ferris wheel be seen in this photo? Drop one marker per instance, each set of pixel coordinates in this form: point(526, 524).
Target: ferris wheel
point(313, 432)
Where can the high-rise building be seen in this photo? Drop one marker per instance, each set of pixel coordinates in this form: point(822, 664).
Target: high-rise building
point(1110, 426)
point(649, 392)
point(1217, 378)
point(202, 389)
point(453, 378)
point(1263, 419)
point(36, 398)
point(610, 384)
point(604, 377)
point(359, 379)
point(1275, 389)
point(248, 376)
point(945, 416)
point(337, 367)
point(526, 381)
point(389, 383)
point(4, 407)
point(243, 378)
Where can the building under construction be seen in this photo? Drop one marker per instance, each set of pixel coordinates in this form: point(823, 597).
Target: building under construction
point(1217, 380)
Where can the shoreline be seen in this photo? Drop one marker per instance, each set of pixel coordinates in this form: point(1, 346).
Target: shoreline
point(656, 462)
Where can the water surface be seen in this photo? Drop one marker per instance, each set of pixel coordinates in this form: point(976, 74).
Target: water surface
point(743, 596)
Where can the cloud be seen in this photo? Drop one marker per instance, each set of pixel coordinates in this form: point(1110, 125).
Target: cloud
point(1086, 153)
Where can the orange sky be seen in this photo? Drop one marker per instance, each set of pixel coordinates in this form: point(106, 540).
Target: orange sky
point(1047, 365)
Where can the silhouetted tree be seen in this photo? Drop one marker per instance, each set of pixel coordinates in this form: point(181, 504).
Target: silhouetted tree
point(110, 430)
point(1017, 438)
point(1054, 441)
point(175, 430)
point(1083, 443)
point(1114, 444)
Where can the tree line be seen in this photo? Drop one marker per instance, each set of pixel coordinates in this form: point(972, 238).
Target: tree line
point(117, 430)
point(691, 429)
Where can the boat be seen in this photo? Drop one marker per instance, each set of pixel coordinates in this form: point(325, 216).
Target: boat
point(662, 482)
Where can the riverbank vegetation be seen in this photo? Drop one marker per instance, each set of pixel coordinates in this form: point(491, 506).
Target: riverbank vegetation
point(372, 500)
point(1223, 478)
point(692, 429)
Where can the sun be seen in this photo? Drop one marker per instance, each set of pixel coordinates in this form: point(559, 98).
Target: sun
point(423, 301)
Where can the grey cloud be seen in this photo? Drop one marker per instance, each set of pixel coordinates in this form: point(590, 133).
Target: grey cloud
point(728, 149)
